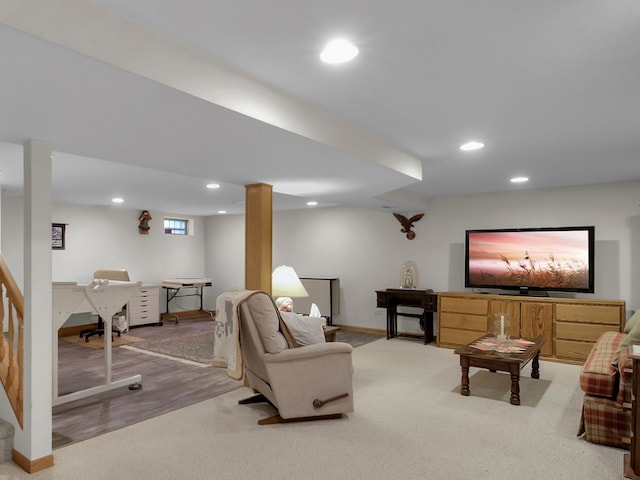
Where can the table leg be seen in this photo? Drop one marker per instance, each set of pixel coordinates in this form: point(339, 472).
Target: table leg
point(394, 321)
point(515, 385)
point(389, 323)
point(423, 320)
point(535, 367)
point(464, 382)
point(428, 326)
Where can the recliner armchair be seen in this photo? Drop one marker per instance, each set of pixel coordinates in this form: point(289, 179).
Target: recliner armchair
point(306, 383)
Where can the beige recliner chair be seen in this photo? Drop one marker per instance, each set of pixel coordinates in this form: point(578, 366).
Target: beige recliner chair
point(305, 383)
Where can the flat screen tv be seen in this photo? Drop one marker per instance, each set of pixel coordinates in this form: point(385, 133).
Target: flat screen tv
point(539, 259)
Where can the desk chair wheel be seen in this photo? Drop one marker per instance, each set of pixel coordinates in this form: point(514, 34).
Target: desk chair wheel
point(135, 386)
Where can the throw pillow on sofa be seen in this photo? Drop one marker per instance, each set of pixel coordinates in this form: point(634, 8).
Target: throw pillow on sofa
point(632, 337)
point(305, 330)
point(632, 321)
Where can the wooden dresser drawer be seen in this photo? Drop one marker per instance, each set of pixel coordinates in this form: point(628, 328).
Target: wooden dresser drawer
point(581, 331)
point(573, 350)
point(453, 337)
point(588, 314)
point(479, 306)
point(462, 321)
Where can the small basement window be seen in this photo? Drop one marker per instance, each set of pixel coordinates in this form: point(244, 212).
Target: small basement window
point(176, 226)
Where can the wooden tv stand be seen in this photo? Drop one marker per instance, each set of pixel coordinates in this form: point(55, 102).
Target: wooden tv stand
point(569, 326)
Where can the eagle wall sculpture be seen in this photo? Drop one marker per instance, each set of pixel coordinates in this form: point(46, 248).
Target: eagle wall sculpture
point(407, 224)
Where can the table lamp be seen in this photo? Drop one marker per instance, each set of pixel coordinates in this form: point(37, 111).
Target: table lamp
point(285, 283)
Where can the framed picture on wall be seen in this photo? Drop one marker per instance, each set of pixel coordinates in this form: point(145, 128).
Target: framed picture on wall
point(57, 236)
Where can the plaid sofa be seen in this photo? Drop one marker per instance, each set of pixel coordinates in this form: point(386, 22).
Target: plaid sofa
point(606, 388)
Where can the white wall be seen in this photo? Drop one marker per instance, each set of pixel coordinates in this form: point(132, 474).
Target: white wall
point(366, 249)
point(224, 254)
point(107, 237)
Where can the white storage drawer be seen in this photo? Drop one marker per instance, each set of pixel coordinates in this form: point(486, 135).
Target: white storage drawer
point(144, 307)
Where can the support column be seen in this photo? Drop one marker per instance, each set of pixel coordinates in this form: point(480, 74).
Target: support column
point(258, 237)
point(33, 445)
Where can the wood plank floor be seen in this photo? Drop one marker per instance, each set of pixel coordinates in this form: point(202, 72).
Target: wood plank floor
point(167, 384)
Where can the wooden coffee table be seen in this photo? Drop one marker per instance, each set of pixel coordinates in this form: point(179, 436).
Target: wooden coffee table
point(497, 361)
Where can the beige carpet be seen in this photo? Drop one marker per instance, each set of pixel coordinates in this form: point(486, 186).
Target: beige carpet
point(98, 342)
point(410, 422)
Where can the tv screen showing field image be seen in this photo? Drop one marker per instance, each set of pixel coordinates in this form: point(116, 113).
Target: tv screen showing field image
point(544, 259)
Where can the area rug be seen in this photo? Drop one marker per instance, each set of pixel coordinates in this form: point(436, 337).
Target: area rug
point(97, 342)
point(197, 347)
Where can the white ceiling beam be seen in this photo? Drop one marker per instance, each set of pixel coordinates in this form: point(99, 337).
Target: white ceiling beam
point(102, 34)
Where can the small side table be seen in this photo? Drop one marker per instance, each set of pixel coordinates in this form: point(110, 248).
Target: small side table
point(632, 459)
point(392, 298)
point(330, 333)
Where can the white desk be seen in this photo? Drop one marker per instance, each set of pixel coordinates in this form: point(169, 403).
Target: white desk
point(173, 286)
point(106, 298)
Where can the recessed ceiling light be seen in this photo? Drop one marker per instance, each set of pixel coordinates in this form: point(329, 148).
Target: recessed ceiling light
point(312, 203)
point(473, 145)
point(519, 179)
point(221, 212)
point(339, 51)
point(213, 186)
point(117, 200)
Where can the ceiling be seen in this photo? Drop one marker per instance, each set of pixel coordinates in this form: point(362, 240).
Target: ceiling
point(150, 100)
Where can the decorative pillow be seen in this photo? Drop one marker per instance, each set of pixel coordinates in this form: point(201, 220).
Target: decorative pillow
point(305, 330)
point(291, 341)
point(632, 337)
point(632, 321)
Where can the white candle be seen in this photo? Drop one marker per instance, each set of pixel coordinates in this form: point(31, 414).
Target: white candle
point(501, 326)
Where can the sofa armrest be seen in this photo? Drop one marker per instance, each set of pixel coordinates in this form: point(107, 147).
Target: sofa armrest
point(625, 364)
point(314, 372)
point(598, 376)
point(625, 368)
point(308, 351)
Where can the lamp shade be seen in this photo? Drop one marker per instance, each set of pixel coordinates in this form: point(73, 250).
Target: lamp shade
point(285, 283)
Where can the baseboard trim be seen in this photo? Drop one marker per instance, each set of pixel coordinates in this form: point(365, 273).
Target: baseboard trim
point(375, 331)
point(32, 466)
point(171, 316)
point(75, 330)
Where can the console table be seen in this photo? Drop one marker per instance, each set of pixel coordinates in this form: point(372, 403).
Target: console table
point(569, 326)
point(392, 298)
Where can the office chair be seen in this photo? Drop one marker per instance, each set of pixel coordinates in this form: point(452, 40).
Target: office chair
point(118, 275)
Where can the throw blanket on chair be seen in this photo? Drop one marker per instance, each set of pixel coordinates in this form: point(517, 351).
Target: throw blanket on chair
point(226, 349)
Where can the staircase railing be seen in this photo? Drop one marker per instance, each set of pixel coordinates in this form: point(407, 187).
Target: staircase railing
point(12, 344)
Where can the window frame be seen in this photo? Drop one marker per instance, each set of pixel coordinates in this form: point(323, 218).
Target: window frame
point(172, 229)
